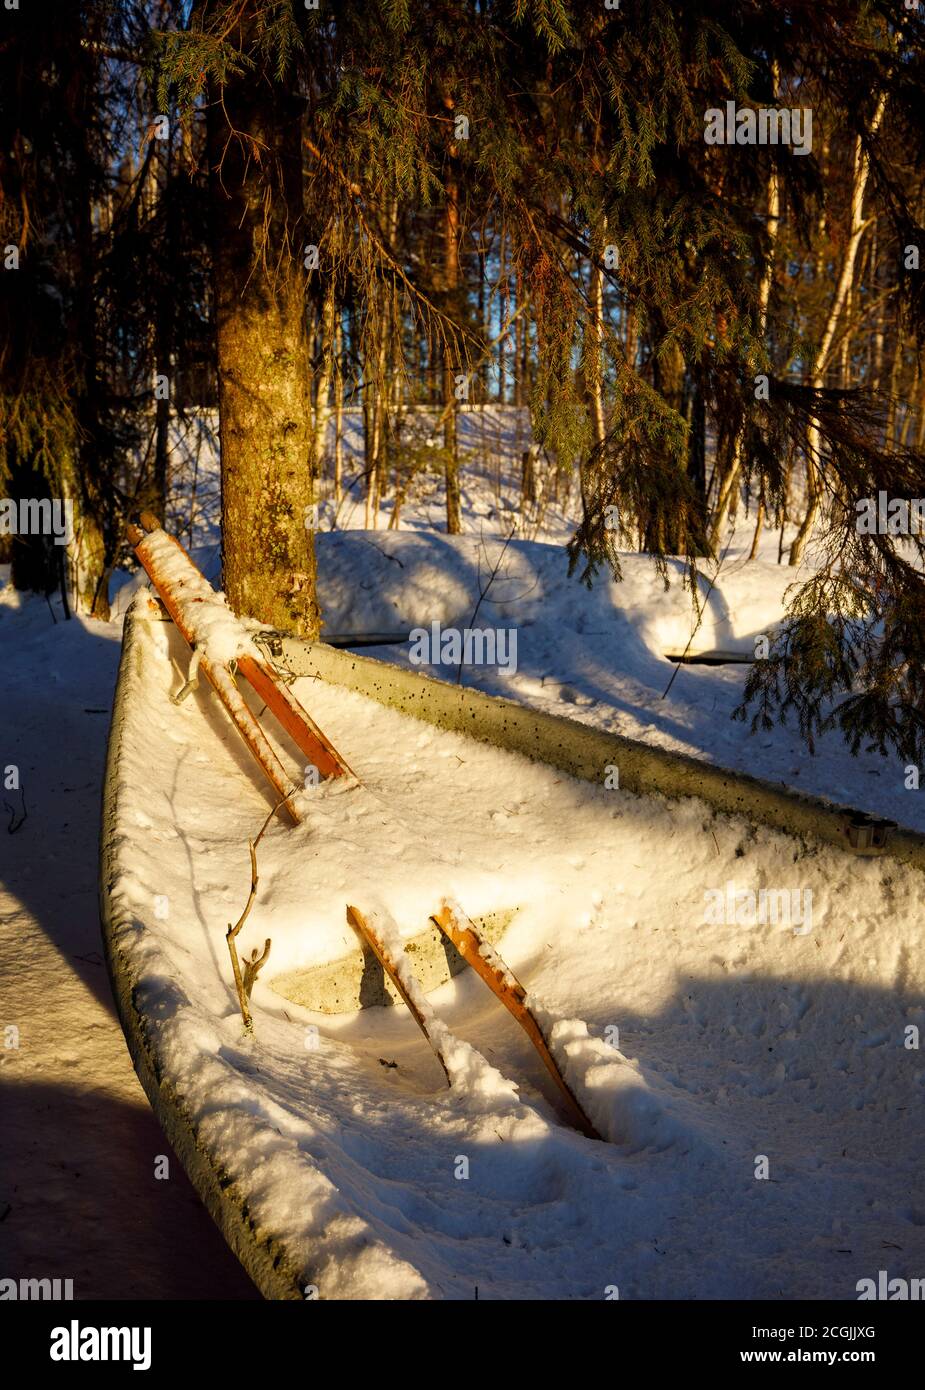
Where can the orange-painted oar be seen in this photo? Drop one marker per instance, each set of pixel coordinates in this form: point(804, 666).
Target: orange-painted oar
point(487, 964)
point(299, 725)
point(278, 698)
point(219, 677)
point(392, 968)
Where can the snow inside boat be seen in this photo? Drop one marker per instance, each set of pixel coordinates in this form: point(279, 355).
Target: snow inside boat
point(329, 1148)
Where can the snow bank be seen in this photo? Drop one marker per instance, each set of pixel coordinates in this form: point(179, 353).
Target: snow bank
point(601, 656)
point(611, 1088)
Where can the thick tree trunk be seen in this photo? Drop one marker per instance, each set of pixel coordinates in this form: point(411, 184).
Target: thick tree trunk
point(759, 523)
point(264, 365)
point(91, 554)
point(632, 335)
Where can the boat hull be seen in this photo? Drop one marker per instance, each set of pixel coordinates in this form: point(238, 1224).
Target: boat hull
point(266, 1251)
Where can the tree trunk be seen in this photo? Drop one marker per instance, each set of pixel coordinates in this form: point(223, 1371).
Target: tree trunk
point(896, 363)
point(92, 551)
point(911, 406)
point(503, 309)
point(632, 336)
point(697, 446)
point(268, 557)
point(163, 341)
point(593, 352)
point(33, 562)
point(516, 353)
point(594, 326)
point(323, 390)
point(857, 224)
point(523, 324)
point(338, 410)
point(668, 373)
point(376, 401)
point(730, 483)
point(877, 336)
point(759, 523)
point(451, 284)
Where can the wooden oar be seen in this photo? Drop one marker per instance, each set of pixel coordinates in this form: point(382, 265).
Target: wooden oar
point(487, 964)
point(261, 676)
point(277, 696)
point(219, 677)
point(393, 969)
point(298, 724)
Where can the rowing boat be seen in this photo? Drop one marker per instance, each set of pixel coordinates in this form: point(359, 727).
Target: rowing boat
point(324, 1138)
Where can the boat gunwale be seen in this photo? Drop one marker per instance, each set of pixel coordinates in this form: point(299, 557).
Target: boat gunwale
point(585, 752)
point(263, 1255)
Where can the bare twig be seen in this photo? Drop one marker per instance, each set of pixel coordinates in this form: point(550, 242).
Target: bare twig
point(245, 983)
point(483, 593)
point(703, 608)
point(253, 966)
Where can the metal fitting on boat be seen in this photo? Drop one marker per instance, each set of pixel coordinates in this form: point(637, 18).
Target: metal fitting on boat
point(869, 834)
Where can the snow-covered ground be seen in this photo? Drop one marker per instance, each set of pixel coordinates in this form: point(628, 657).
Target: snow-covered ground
point(736, 1041)
point(596, 656)
point(78, 1141)
point(601, 656)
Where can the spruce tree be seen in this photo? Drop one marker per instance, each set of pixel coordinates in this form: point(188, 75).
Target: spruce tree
point(246, 63)
point(658, 278)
